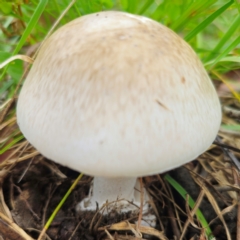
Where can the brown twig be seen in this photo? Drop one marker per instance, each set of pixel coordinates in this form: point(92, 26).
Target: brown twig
point(192, 213)
point(237, 182)
point(141, 204)
point(173, 221)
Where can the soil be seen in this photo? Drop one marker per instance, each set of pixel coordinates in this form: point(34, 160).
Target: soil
point(33, 189)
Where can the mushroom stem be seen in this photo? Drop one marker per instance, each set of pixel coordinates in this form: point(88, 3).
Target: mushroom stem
point(113, 188)
point(121, 194)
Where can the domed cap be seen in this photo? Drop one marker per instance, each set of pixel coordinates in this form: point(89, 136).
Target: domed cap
point(117, 95)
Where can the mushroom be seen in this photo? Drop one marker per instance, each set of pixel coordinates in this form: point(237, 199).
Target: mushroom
point(118, 96)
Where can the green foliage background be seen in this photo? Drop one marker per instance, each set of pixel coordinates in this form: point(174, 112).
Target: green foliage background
point(212, 27)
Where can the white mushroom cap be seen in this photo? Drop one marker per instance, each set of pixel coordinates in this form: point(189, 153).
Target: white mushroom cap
point(117, 95)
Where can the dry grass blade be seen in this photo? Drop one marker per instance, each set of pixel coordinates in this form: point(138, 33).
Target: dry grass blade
point(3, 207)
point(237, 182)
point(176, 222)
point(3, 105)
point(191, 214)
point(52, 167)
point(214, 204)
point(108, 234)
point(11, 230)
point(126, 226)
point(121, 237)
point(224, 211)
point(8, 122)
point(141, 204)
point(137, 233)
point(20, 57)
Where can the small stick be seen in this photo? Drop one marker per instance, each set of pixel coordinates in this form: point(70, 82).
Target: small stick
point(141, 204)
point(237, 182)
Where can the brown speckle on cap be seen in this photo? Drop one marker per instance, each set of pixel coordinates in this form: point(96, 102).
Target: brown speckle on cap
point(162, 105)
point(183, 80)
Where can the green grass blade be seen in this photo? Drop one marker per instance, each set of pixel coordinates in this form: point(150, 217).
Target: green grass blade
point(191, 203)
point(77, 10)
point(132, 6)
point(144, 8)
point(9, 145)
point(225, 52)
point(31, 24)
point(207, 21)
point(233, 59)
point(237, 3)
point(192, 10)
point(225, 38)
point(231, 127)
point(53, 215)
